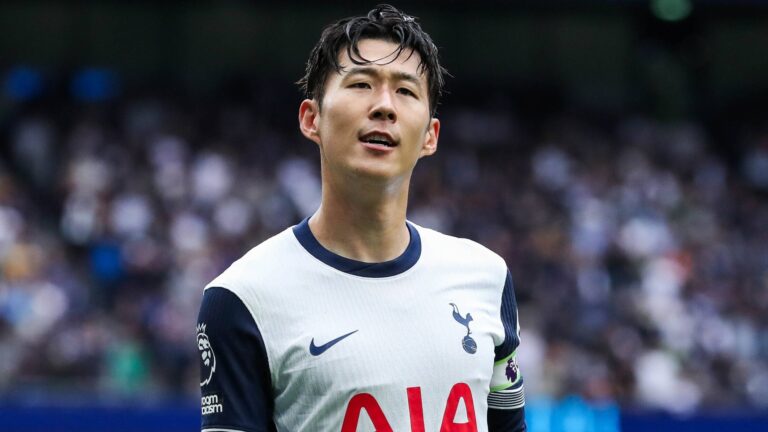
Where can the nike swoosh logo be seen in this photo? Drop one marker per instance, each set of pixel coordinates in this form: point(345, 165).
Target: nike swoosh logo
point(317, 350)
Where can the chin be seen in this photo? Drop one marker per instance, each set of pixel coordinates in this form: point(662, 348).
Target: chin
point(376, 172)
point(373, 174)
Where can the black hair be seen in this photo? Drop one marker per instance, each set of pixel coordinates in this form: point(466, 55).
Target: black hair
point(383, 22)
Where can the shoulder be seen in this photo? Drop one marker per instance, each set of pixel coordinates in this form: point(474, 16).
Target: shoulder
point(466, 248)
point(460, 251)
point(258, 263)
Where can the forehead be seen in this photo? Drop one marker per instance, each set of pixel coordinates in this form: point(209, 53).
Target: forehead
point(382, 55)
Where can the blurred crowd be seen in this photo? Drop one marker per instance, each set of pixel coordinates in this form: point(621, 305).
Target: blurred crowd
point(639, 253)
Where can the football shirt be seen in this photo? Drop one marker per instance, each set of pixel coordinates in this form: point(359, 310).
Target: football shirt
point(293, 337)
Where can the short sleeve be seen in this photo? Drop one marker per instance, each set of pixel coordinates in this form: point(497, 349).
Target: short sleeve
point(235, 381)
point(506, 400)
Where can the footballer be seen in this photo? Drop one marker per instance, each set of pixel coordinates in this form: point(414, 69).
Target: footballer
point(357, 319)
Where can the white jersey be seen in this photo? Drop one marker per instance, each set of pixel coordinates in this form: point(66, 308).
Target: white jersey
point(324, 343)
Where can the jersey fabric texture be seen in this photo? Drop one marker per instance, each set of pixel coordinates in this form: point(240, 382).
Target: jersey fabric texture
point(293, 337)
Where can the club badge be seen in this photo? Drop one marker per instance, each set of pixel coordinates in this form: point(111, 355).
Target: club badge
point(469, 344)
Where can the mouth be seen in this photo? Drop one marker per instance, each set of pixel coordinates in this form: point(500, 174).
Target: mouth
point(378, 139)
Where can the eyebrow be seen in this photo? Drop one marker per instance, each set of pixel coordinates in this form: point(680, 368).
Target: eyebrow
point(398, 75)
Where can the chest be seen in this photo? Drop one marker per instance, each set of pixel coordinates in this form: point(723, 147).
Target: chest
point(403, 343)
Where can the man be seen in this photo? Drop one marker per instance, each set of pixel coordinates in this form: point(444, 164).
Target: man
point(354, 319)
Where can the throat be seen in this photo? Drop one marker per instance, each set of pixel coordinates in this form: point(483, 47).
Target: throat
point(369, 240)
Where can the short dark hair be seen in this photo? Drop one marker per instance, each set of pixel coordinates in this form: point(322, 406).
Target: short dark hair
point(383, 22)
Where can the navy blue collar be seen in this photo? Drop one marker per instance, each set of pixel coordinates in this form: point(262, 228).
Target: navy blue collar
point(358, 268)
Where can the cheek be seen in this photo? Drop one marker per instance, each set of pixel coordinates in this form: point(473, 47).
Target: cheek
point(340, 120)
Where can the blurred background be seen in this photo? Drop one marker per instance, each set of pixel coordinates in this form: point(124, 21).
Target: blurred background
point(614, 152)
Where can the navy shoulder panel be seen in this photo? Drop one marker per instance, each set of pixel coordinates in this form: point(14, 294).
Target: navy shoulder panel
point(235, 380)
point(509, 319)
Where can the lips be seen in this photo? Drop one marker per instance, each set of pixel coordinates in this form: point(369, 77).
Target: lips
point(379, 138)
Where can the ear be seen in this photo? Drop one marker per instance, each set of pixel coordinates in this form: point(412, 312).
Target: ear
point(309, 114)
point(430, 138)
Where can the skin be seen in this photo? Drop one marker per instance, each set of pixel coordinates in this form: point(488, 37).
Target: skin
point(365, 186)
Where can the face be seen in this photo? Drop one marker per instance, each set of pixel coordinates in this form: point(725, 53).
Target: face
point(375, 120)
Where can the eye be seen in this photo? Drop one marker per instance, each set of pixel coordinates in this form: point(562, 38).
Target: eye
point(362, 85)
point(407, 92)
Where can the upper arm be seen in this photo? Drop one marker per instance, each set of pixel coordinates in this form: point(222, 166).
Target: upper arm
point(234, 370)
point(506, 400)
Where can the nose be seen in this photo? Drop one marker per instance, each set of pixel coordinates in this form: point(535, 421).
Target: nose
point(384, 108)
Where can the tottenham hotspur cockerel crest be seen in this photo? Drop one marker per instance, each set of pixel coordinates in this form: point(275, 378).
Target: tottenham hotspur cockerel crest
point(208, 365)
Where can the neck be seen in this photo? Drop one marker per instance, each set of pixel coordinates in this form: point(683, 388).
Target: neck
point(362, 220)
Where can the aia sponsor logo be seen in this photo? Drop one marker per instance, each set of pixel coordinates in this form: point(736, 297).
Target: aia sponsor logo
point(366, 401)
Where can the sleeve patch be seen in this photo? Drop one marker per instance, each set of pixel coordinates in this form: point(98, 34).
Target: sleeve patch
point(234, 370)
point(207, 355)
point(506, 374)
